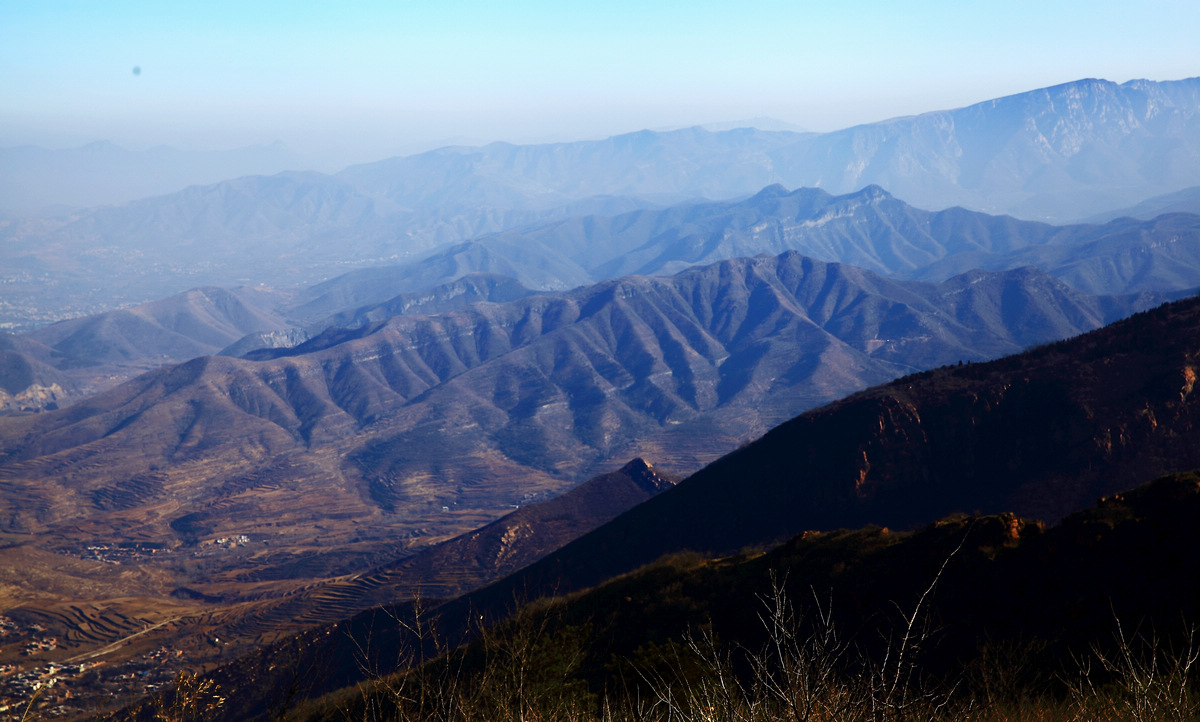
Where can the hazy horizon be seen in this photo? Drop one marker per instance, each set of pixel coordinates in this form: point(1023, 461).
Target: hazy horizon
point(385, 79)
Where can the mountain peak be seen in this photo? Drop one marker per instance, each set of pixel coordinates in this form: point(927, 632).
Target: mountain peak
point(775, 190)
point(638, 464)
point(646, 477)
point(872, 193)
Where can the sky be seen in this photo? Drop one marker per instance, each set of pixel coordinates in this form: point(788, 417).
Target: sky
point(365, 80)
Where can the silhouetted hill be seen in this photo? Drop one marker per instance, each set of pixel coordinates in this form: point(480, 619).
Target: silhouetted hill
point(1048, 591)
point(1046, 594)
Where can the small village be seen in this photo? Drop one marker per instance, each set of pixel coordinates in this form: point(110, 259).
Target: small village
point(69, 689)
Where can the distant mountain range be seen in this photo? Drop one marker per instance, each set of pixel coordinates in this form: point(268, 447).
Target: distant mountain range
point(869, 228)
point(1050, 153)
point(1059, 153)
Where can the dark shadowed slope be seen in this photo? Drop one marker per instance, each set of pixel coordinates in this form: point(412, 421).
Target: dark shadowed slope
point(1018, 612)
point(1041, 434)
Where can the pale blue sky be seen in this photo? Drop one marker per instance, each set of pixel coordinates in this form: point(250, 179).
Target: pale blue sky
point(373, 79)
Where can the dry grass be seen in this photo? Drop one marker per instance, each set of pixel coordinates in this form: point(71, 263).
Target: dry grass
point(524, 672)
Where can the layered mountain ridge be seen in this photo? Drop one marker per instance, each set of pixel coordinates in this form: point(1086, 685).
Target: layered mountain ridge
point(444, 411)
point(869, 228)
point(1058, 153)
